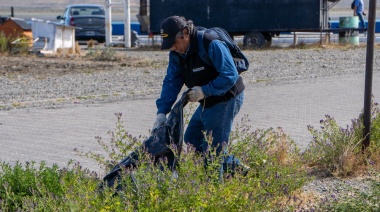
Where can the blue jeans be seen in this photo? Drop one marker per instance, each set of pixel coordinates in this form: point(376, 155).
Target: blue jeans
point(361, 19)
point(216, 121)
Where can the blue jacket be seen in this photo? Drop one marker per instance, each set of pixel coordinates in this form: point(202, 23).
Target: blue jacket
point(360, 6)
point(173, 82)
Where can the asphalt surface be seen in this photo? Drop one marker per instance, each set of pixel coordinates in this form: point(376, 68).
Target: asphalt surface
point(51, 133)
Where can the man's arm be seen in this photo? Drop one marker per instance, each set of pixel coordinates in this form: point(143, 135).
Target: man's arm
point(171, 86)
point(222, 61)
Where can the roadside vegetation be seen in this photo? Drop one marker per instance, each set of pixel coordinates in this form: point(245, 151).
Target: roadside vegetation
point(6, 46)
point(277, 172)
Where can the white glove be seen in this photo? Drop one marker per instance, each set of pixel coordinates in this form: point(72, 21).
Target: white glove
point(195, 94)
point(160, 120)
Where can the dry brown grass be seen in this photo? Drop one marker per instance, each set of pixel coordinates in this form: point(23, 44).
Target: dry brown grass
point(301, 201)
point(91, 43)
point(282, 150)
point(77, 48)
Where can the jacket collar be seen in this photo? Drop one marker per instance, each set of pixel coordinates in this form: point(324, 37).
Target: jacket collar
point(193, 47)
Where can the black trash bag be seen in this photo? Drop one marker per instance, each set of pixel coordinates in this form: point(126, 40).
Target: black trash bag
point(157, 145)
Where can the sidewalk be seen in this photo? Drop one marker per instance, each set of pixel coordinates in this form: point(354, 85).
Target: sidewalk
point(49, 134)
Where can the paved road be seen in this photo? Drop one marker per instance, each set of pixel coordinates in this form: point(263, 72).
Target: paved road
point(51, 134)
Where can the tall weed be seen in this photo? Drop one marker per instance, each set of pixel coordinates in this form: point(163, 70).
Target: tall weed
point(339, 150)
point(120, 145)
point(4, 43)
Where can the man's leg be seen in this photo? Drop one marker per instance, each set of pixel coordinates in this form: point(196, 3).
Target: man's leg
point(361, 20)
point(215, 121)
point(194, 134)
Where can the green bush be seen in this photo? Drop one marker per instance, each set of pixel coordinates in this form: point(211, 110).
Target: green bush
point(274, 174)
point(4, 47)
point(18, 182)
point(106, 54)
point(375, 126)
point(272, 183)
point(120, 145)
point(339, 150)
point(336, 149)
point(27, 188)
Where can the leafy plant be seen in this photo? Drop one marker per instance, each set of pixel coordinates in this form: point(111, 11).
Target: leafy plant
point(375, 127)
point(339, 150)
point(334, 148)
point(18, 182)
point(120, 145)
point(106, 54)
point(275, 171)
point(4, 43)
point(268, 177)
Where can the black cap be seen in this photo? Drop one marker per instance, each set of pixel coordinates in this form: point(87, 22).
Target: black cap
point(169, 29)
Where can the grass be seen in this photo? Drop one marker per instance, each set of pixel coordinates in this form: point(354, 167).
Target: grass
point(277, 172)
point(4, 44)
point(22, 47)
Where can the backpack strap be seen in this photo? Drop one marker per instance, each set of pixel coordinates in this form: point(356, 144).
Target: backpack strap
point(201, 46)
point(205, 38)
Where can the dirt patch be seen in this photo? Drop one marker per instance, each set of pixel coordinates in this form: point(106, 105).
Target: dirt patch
point(58, 65)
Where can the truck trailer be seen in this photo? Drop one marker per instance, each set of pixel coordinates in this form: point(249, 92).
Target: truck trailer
point(257, 20)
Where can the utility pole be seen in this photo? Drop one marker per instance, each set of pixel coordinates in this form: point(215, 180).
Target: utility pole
point(369, 73)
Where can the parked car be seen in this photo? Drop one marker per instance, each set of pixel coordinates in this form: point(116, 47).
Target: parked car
point(89, 18)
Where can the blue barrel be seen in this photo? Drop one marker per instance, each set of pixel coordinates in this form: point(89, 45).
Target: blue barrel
point(349, 36)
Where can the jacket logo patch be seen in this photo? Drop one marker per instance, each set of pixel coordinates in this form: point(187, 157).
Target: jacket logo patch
point(198, 69)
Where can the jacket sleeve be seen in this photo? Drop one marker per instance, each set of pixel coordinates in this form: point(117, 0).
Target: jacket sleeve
point(171, 86)
point(221, 59)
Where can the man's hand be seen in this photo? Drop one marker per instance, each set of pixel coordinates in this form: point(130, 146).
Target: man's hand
point(160, 120)
point(195, 94)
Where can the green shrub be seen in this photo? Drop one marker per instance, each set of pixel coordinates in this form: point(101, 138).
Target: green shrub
point(4, 47)
point(375, 126)
point(272, 183)
point(106, 54)
point(339, 150)
point(275, 173)
point(27, 188)
point(120, 145)
point(18, 182)
point(336, 149)
point(22, 47)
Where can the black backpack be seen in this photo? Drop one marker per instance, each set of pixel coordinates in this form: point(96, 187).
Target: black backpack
point(353, 5)
point(241, 62)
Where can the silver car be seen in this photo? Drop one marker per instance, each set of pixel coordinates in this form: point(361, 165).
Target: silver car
point(89, 18)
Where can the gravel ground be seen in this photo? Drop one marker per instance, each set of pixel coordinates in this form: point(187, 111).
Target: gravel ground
point(33, 81)
point(55, 80)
